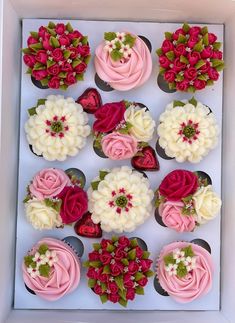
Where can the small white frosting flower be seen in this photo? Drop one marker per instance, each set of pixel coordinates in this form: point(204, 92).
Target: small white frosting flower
point(171, 269)
point(122, 200)
point(41, 216)
point(190, 263)
point(39, 259)
point(120, 37)
point(178, 255)
point(126, 50)
point(34, 272)
point(207, 204)
point(110, 45)
point(58, 129)
point(142, 123)
point(51, 257)
point(187, 132)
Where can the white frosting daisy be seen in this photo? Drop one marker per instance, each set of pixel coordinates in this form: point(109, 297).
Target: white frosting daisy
point(58, 129)
point(187, 132)
point(122, 200)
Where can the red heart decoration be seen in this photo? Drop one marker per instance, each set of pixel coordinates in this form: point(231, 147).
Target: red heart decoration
point(148, 161)
point(85, 227)
point(90, 100)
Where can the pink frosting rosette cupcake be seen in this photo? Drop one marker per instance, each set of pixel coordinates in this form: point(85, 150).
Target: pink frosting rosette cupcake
point(186, 200)
point(55, 198)
point(123, 60)
point(122, 129)
point(51, 269)
point(184, 271)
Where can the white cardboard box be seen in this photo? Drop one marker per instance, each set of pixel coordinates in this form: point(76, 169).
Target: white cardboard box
point(11, 13)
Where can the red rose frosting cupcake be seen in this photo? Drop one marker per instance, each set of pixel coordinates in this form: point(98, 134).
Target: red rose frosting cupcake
point(184, 271)
point(56, 56)
point(118, 269)
point(51, 269)
point(190, 58)
point(55, 199)
point(123, 61)
point(122, 129)
point(186, 200)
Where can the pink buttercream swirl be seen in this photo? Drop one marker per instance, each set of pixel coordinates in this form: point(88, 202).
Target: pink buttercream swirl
point(196, 283)
point(64, 276)
point(172, 217)
point(48, 183)
point(124, 74)
point(119, 146)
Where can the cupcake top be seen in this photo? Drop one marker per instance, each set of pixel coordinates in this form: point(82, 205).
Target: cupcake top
point(184, 271)
point(54, 199)
point(190, 58)
point(51, 269)
point(185, 200)
point(118, 269)
point(57, 55)
point(123, 60)
point(120, 199)
point(122, 129)
point(57, 128)
point(187, 131)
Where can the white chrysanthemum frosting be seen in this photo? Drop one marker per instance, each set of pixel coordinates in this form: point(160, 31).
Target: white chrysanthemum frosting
point(41, 216)
point(142, 123)
point(122, 200)
point(187, 132)
point(207, 204)
point(58, 129)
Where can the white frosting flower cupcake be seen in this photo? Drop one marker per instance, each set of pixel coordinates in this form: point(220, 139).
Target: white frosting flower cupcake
point(120, 199)
point(187, 131)
point(57, 128)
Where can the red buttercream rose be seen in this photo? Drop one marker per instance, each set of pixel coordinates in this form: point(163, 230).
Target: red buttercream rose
point(91, 273)
point(31, 40)
point(66, 67)
point(164, 61)
point(194, 30)
point(54, 82)
point(130, 294)
point(98, 289)
point(116, 268)
point(207, 52)
point(123, 242)
point(217, 54)
point(73, 52)
point(57, 55)
point(212, 38)
point(112, 286)
point(74, 204)
point(70, 79)
point(178, 184)
point(190, 73)
point(213, 74)
point(183, 85)
point(84, 50)
point(54, 69)
point(75, 34)
point(80, 68)
point(120, 254)
point(64, 40)
point(105, 257)
point(199, 84)
point(29, 60)
point(109, 116)
point(169, 76)
point(105, 243)
point(143, 281)
point(167, 46)
point(193, 58)
point(103, 277)
point(94, 255)
point(39, 74)
point(145, 264)
point(178, 32)
point(41, 32)
point(127, 281)
point(41, 56)
point(133, 267)
point(46, 42)
point(192, 41)
point(60, 29)
point(114, 298)
point(178, 65)
point(139, 252)
point(205, 68)
point(180, 50)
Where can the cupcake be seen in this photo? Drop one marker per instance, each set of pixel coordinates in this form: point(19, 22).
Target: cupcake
point(120, 199)
point(184, 271)
point(54, 199)
point(187, 131)
point(122, 129)
point(123, 60)
point(185, 200)
point(190, 58)
point(118, 270)
point(57, 128)
point(56, 56)
point(51, 269)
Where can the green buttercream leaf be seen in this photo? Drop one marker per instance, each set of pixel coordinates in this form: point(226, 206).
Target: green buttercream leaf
point(179, 78)
point(69, 27)
point(96, 246)
point(63, 75)
point(210, 82)
point(114, 238)
point(51, 25)
point(159, 52)
point(200, 63)
point(122, 294)
point(138, 276)
point(125, 261)
point(54, 42)
point(181, 39)
point(51, 31)
point(38, 66)
point(161, 70)
point(172, 86)
point(188, 251)
point(146, 255)
point(220, 67)
point(41, 102)
point(87, 59)
point(185, 27)
point(34, 34)
point(95, 264)
point(102, 174)
point(28, 260)
point(149, 273)
point(44, 81)
point(181, 270)
point(76, 62)
point(168, 35)
point(110, 248)
point(50, 63)
point(131, 254)
point(27, 198)
point(86, 264)
point(56, 205)
point(191, 89)
point(203, 77)
point(183, 59)
point(106, 269)
point(91, 283)
point(204, 30)
point(216, 62)
point(29, 70)
point(119, 281)
point(134, 243)
point(80, 77)
point(122, 302)
point(84, 40)
point(170, 55)
point(139, 290)
point(205, 39)
point(104, 298)
point(36, 47)
point(43, 249)
point(168, 259)
point(95, 185)
point(129, 40)
point(75, 42)
point(193, 101)
point(103, 287)
point(66, 53)
point(177, 103)
point(116, 55)
point(44, 270)
point(63, 87)
point(31, 112)
point(26, 51)
point(199, 46)
point(109, 36)
point(217, 45)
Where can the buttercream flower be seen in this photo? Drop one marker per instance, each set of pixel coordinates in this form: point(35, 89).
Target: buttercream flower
point(58, 128)
point(48, 183)
point(178, 184)
point(187, 131)
point(121, 201)
point(52, 282)
point(142, 124)
point(109, 116)
point(119, 146)
point(74, 204)
point(41, 216)
point(172, 217)
point(207, 204)
point(185, 282)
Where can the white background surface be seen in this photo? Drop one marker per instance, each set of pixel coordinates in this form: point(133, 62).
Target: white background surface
point(154, 235)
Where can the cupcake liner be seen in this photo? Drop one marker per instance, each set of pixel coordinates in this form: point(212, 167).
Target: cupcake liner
point(75, 244)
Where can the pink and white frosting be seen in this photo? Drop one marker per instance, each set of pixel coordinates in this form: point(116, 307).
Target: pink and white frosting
point(124, 74)
point(172, 217)
point(196, 283)
point(48, 183)
point(64, 275)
